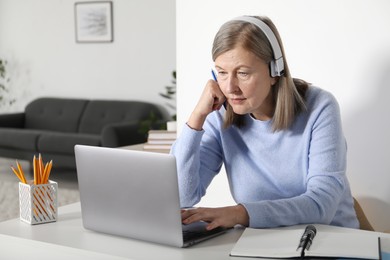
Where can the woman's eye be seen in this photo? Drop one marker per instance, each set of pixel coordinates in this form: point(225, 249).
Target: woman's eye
point(222, 74)
point(242, 74)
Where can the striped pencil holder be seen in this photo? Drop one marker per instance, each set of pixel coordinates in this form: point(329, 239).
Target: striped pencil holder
point(38, 203)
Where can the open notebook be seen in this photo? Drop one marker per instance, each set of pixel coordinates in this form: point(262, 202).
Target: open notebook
point(329, 242)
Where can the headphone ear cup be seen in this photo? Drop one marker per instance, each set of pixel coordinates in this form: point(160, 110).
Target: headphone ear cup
point(272, 70)
point(276, 66)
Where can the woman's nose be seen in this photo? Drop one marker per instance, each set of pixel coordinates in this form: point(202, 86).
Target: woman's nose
point(232, 84)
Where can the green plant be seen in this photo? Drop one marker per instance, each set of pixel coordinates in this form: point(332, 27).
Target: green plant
point(3, 73)
point(170, 94)
point(152, 122)
point(4, 81)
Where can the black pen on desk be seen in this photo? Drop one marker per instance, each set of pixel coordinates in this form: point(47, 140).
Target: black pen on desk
point(307, 239)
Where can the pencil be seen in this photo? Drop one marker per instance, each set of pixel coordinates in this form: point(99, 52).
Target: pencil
point(47, 175)
point(44, 173)
point(17, 174)
point(35, 170)
point(41, 169)
point(21, 172)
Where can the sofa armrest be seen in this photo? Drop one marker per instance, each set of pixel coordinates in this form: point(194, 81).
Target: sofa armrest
point(12, 120)
point(122, 134)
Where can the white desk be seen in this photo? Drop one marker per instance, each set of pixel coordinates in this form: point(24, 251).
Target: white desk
point(21, 248)
point(67, 238)
point(68, 231)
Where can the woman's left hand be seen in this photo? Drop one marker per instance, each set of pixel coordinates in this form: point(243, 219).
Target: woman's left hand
point(217, 217)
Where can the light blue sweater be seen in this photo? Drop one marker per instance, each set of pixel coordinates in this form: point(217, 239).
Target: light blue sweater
point(282, 178)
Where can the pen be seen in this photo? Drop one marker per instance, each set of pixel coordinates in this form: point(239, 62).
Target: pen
point(307, 239)
point(214, 77)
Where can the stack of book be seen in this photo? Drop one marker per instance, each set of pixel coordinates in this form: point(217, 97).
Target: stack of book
point(160, 140)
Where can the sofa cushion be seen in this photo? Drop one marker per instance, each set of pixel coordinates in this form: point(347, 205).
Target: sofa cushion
point(12, 120)
point(15, 138)
point(55, 114)
point(56, 142)
point(100, 113)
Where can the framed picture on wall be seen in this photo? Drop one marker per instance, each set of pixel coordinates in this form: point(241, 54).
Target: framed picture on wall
point(94, 21)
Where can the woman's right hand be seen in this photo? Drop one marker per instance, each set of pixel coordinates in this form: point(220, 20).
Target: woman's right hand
point(211, 99)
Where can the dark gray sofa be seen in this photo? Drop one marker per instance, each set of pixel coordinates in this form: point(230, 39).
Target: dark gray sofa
point(53, 126)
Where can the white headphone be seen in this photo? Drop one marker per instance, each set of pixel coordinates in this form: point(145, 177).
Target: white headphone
point(277, 64)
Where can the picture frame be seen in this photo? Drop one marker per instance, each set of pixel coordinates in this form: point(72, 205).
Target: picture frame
point(94, 22)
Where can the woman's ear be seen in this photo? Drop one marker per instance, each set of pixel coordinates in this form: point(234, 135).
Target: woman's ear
point(274, 80)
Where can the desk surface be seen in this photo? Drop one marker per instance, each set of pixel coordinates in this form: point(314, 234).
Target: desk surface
point(68, 236)
point(68, 231)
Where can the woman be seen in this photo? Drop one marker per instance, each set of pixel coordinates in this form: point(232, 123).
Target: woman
point(280, 140)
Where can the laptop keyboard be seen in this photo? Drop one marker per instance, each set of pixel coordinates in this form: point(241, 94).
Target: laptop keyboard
point(198, 230)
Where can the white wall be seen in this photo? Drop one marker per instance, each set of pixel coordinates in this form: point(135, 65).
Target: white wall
point(37, 37)
point(340, 45)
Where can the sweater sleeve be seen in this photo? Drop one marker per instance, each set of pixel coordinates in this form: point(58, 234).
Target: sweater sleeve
point(196, 164)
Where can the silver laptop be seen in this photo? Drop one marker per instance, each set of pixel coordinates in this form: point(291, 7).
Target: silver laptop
point(134, 194)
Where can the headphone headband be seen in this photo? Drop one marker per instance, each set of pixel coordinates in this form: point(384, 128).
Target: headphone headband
point(277, 65)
